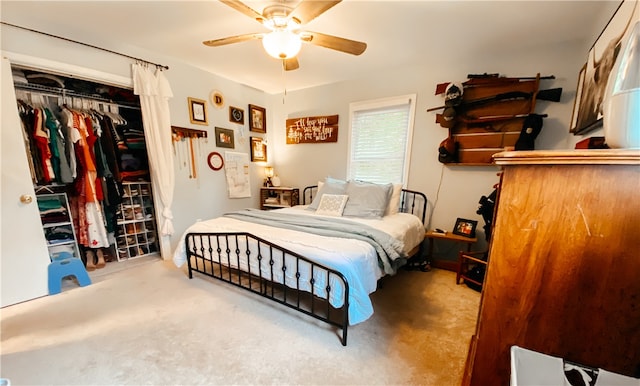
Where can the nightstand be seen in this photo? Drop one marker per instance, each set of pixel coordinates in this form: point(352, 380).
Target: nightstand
point(280, 197)
point(431, 236)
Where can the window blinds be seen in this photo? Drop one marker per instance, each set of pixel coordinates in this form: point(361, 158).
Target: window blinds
point(379, 142)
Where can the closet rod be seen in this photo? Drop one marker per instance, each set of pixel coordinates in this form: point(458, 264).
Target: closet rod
point(55, 91)
point(87, 45)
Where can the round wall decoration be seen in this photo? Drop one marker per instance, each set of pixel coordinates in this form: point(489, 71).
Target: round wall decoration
point(215, 161)
point(217, 99)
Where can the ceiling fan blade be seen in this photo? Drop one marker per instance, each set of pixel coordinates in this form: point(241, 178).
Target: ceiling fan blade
point(245, 9)
point(291, 64)
point(308, 10)
point(232, 39)
point(335, 43)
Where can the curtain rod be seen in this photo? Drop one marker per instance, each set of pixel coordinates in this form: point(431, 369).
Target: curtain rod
point(87, 45)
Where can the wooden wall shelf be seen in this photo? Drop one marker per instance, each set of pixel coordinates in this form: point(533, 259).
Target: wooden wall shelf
point(486, 121)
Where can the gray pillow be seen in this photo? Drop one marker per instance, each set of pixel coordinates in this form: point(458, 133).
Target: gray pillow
point(367, 199)
point(330, 186)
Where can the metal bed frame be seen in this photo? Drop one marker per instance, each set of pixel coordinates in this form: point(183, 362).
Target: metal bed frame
point(205, 256)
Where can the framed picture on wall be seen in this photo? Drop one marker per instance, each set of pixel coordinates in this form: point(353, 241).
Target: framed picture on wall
point(258, 119)
point(258, 150)
point(197, 111)
point(576, 102)
point(593, 77)
point(224, 138)
point(236, 115)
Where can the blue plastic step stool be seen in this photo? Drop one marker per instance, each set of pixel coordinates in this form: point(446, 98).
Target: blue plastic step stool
point(63, 266)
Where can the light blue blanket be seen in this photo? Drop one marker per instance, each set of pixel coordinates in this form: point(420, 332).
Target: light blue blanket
point(390, 251)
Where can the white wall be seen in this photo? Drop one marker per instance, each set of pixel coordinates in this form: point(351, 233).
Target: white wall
point(200, 198)
point(454, 191)
point(206, 196)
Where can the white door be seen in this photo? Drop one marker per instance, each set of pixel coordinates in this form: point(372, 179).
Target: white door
point(23, 249)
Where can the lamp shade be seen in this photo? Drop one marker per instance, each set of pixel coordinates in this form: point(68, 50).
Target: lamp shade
point(282, 44)
point(268, 171)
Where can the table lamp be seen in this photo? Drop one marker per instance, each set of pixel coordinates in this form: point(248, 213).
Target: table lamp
point(268, 172)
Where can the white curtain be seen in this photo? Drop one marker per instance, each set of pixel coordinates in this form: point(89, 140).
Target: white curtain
point(154, 91)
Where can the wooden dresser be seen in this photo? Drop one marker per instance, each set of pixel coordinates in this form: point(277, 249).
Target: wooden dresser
point(564, 265)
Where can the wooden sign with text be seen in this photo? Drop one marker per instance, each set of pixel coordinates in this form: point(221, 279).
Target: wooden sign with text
point(312, 129)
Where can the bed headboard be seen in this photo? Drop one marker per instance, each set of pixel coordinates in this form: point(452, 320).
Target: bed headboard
point(411, 201)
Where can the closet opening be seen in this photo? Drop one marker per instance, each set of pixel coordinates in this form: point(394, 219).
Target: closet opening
point(88, 161)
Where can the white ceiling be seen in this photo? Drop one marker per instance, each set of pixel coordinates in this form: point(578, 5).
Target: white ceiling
point(398, 33)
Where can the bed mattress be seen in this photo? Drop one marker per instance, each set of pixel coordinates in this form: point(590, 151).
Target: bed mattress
point(356, 260)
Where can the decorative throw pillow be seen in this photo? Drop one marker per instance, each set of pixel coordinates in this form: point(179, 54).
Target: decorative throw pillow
point(330, 186)
point(366, 199)
point(332, 204)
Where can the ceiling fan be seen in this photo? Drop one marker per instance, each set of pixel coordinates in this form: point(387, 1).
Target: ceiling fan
point(286, 36)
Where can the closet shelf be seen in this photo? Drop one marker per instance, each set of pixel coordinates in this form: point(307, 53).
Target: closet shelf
point(57, 245)
point(136, 234)
point(55, 224)
point(52, 243)
point(63, 92)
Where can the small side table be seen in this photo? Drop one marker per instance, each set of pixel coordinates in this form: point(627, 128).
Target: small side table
point(278, 197)
point(432, 235)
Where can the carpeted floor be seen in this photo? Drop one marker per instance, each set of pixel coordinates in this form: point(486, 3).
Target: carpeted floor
point(150, 324)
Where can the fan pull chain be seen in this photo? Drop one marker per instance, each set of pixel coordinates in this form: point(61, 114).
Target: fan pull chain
point(284, 81)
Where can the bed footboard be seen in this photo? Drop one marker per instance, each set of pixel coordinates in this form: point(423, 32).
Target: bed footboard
point(273, 272)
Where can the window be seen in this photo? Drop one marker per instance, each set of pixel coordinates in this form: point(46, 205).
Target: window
point(380, 139)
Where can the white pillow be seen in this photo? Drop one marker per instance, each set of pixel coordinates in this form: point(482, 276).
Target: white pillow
point(332, 204)
point(394, 201)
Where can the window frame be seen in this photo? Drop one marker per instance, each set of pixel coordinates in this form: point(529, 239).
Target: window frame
point(374, 104)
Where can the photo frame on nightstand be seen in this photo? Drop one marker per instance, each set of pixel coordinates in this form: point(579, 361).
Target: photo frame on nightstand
point(464, 227)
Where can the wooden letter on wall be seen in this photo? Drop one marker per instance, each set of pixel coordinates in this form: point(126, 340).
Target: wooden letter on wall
point(312, 129)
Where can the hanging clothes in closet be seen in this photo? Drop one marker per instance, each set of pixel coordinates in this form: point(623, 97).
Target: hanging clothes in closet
point(77, 143)
point(88, 187)
point(51, 155)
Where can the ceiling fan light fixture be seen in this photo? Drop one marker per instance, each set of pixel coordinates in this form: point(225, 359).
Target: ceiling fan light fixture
point(282, 44)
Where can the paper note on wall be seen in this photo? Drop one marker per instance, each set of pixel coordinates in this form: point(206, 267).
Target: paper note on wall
point(236, 167)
